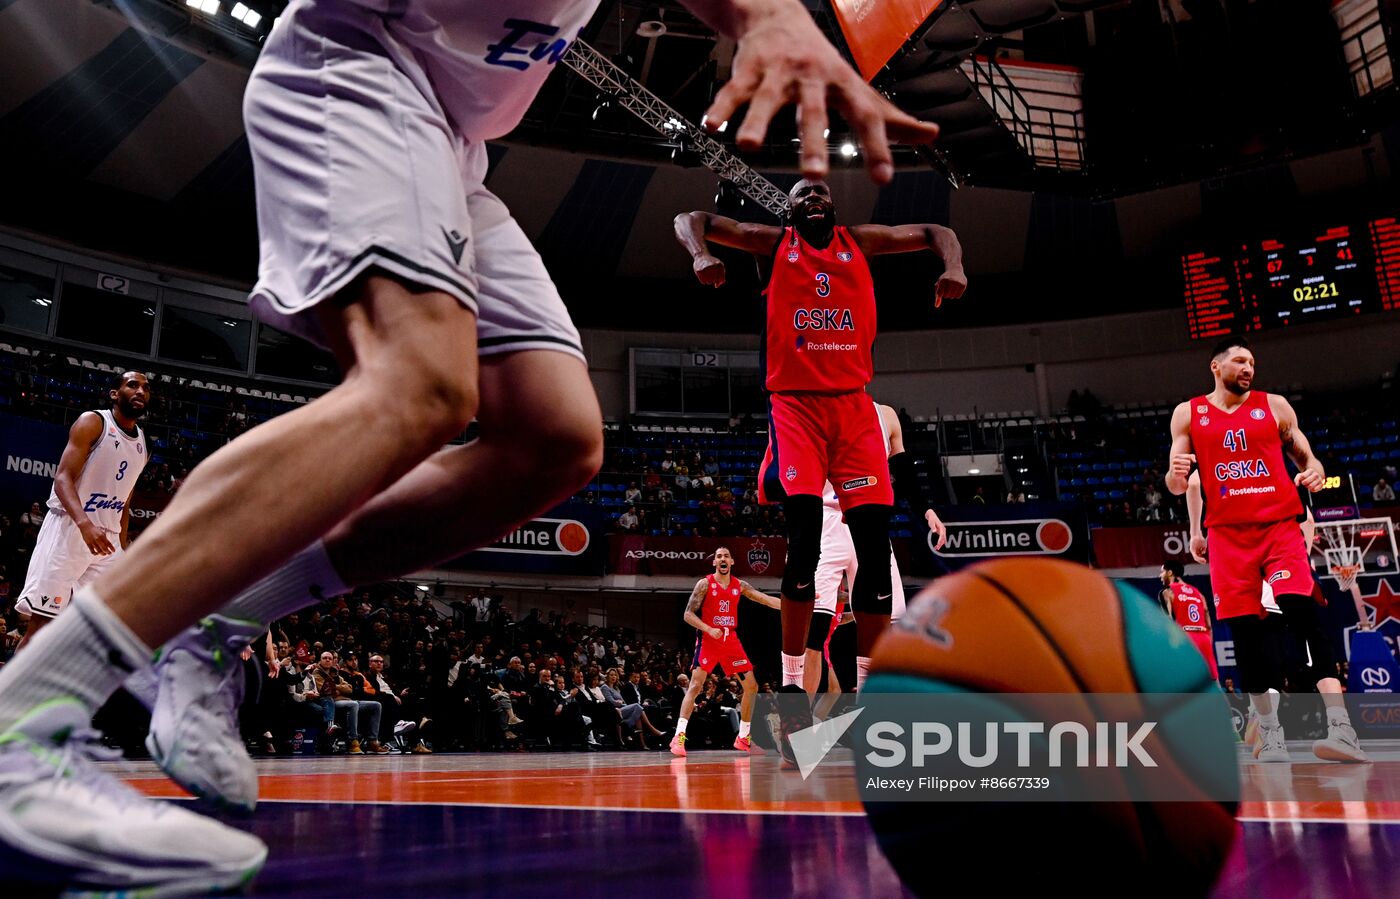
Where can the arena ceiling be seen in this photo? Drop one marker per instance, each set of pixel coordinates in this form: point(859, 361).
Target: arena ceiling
point(120, 120)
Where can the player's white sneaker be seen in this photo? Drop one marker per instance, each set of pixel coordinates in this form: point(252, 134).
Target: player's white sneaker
point(194, 726)
point(1271, 746)
point(1341, 744)
point(65, 822)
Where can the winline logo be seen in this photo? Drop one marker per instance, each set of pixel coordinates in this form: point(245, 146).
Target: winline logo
point(1023, 537)
point(545, 537)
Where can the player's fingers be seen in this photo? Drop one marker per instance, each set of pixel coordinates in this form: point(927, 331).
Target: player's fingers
point(869, 125)
point(811, 125)
point(906, 129)
point(742, 83)
point(766, 102)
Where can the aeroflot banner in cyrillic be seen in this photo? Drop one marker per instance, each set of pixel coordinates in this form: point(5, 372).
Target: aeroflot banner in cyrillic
point(876, 29)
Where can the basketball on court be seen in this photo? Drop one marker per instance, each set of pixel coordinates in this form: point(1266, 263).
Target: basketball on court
point(1046, 626)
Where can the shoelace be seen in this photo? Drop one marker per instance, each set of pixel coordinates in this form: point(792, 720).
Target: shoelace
point(84, 747)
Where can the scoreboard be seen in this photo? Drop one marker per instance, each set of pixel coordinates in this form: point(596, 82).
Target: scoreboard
point(1293, 276)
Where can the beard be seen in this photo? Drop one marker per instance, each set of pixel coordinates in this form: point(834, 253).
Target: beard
point(814, 231)
point(127, 410)
point(1235, 388)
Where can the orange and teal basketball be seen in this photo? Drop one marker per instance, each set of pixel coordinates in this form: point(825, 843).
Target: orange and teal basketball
point(1026, 626)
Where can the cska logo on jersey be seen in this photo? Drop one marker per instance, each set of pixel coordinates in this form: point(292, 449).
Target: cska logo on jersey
point(844, 256)
point(759, 558)
point(1256, 414)
point(793, 255)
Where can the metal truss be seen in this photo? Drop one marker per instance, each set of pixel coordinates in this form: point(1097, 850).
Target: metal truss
point(624, 90)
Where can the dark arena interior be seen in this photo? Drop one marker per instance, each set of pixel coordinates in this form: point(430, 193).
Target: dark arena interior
point(395, 378)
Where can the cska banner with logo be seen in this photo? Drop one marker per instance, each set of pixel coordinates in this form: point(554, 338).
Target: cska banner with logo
point(977, 533)
point(690, 556)
point(566, 540)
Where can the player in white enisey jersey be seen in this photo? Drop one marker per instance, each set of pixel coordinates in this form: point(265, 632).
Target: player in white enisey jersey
point(85, 530)
point(378, 238)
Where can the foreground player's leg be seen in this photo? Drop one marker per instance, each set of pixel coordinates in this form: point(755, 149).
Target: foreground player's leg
point(1341, 743)
point(414, 375)
point(871, 594)
point(804, 520)
point(1258, 671)
point(458, 499)
point(817, 631)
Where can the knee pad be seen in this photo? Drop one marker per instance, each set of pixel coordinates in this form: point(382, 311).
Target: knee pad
point(804, 526)
point(870, 535)
point(817, 630)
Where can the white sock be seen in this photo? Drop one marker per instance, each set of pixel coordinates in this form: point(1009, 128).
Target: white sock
point(305, 580)
point(862, 669)
point(744, 729)
point(792, 669)
point(680, 725)
point(1269, 721)
point(84, 654)
point(144, 686)
point(1337, 714)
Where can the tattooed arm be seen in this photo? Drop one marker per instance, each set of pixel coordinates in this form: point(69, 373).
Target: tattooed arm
point(692, 611)
point(1310, 473)
point(749, 591)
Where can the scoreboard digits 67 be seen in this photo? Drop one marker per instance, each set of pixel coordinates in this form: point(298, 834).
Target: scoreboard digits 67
point(1313, 274)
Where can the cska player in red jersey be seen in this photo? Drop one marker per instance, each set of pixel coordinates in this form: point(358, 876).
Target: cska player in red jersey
point(819, 328)
point(1187, 607)
point(1237, 437)
point(713, 610)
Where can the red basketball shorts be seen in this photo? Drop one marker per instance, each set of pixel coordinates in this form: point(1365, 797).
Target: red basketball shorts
point(1206, 644)
point(1244, 555)
point(813, 438)
point(727, 653)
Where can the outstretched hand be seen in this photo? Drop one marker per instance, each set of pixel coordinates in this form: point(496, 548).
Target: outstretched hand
point(784, 58)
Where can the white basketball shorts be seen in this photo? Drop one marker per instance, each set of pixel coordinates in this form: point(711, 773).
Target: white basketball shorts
point(61, 564)
point(838, 557)
point(357, 167)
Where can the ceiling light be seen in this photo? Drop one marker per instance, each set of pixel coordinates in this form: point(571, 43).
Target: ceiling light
point(974, 471)
point(848, 150)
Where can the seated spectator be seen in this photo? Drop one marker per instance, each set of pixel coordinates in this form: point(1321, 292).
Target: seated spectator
point(607, 721)
point(628, 521)
point(1382, 492)
point(554, 713)
point(632, 495)
point(301, 686)
point(504, 708)
point(330, 683)
point(634, 718)
point(34, 517)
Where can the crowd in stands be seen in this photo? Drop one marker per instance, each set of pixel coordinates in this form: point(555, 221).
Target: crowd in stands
point(687, 481)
